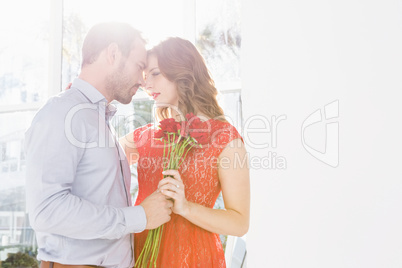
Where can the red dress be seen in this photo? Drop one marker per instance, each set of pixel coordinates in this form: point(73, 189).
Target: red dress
point(184, 244)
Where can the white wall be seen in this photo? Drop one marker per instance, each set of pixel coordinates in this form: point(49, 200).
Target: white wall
point(299, 56)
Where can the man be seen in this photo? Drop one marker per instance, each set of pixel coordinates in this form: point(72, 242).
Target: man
point(78, 179)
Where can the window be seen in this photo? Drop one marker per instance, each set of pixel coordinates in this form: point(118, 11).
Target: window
point(40, 54)
point(24, 61)
point(218, 38)
point(24, 52)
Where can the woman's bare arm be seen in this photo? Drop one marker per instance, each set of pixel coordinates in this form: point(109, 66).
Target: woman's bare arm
point(235, 182)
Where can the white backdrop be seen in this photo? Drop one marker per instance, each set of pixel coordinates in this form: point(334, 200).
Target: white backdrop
point(322, 84)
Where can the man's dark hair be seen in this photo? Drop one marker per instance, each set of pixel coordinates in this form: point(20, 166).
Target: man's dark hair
point(102, 35)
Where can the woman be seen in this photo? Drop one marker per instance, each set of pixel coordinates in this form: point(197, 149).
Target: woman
point(178, 80)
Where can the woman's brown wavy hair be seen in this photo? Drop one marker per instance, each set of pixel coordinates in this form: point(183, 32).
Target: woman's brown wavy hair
point(181, 63)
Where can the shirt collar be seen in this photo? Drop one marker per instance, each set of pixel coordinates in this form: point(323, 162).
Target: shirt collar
point(110, 111)
point(94, 96)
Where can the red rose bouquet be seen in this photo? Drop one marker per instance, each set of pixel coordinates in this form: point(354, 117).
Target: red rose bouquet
point(178, 138)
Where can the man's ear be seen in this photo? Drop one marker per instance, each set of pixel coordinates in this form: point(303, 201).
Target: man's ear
point(112, 53)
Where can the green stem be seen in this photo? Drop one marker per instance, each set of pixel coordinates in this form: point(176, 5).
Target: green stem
point(152, 260)
point(163, 157)
point(142, 259)
point(184, 157)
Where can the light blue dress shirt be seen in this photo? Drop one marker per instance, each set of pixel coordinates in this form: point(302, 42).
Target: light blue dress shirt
point(78, 182)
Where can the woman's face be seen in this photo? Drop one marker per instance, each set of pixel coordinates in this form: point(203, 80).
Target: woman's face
point(158, 86)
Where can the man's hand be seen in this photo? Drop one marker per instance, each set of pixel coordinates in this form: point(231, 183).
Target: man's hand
point(157, 209)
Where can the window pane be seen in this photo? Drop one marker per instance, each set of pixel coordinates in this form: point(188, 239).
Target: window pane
point(218, 38)
point(24, 51)
point(15, 233)
point(230, 101)
point(131, 116)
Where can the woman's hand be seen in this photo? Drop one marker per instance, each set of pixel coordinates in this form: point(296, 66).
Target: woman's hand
point(173, 187)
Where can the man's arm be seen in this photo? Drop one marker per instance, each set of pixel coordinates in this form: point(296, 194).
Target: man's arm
point(52, 162)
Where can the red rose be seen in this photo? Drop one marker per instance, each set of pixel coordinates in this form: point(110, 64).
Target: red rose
point(200, 136)
point(159, 134)
point(170, 128)
point(193, 127)
point(184, 129)
point(195, 122)
point(199, 130)
point(204, 139)
point(166, 123)
point(177, 127)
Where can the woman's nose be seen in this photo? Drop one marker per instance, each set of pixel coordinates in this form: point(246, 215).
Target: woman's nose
point(147, 83)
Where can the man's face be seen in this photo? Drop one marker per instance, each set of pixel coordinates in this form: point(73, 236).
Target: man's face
point(125, 80)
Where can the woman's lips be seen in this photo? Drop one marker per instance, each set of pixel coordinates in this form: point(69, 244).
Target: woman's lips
point(155, 95)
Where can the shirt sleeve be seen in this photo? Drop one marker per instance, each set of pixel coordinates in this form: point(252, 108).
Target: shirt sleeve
point(135, 218)
point(52, 160)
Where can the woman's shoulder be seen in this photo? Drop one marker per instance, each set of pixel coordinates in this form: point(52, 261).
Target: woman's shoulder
point(223, 132)
point(221, 125)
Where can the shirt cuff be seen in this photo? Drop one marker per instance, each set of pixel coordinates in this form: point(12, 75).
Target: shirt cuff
point(136, 219)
